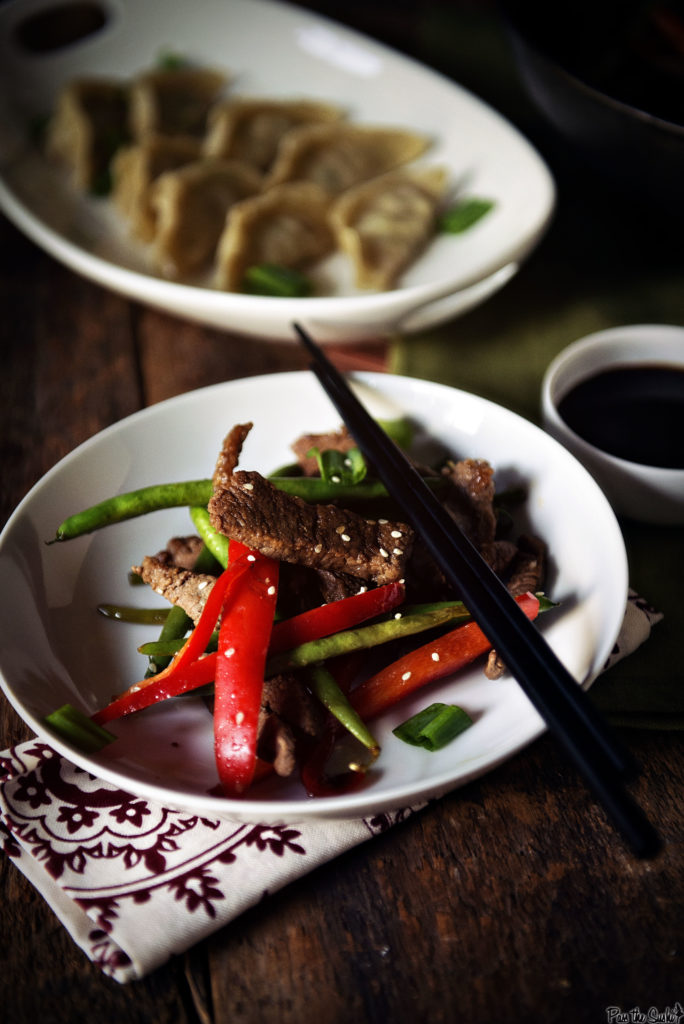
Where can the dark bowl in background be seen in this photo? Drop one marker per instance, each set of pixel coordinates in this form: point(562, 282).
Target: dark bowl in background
point(609, 77)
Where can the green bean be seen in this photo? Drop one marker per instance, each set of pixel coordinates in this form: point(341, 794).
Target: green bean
point(214, 541)
point(168, 646)
point(138, 616)
point(192, 493)
point(178, 622)
point(121, 507)
point(360, 639)
point(420, 617)
point(331, 696)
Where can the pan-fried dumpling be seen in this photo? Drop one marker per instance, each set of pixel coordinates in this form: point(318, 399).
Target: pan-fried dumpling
point(384, 224)
point(136, 167)
point(251, 129)
point(191, 204)
point(337, 156)
point(174, 101)
point(89, 123)
point(287, 226)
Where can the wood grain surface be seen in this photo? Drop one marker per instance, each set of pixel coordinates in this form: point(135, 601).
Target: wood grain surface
point(510, 900)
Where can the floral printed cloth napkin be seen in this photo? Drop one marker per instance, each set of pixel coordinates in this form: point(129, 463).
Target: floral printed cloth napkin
point(136, 883)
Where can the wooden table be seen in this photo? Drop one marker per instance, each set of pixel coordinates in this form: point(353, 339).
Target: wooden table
point(509, 900)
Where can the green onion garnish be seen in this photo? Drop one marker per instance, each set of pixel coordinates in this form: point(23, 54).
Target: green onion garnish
point(78, 729)
point(281, 282)
point(462, 216)
point(434, 727)
point(340, 467)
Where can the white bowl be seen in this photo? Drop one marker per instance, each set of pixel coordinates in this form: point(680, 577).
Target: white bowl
point(56, 648)
point(647, 493)
point(276, 50)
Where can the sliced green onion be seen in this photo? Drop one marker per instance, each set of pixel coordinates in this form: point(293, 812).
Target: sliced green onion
point(401, 431)
point(347, 468)
point(434, 727)
point(281, 282)
point(168, 60)
point(78, 729)
point(462, 216)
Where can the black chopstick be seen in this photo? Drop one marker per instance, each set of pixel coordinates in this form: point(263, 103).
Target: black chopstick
point(563, 705)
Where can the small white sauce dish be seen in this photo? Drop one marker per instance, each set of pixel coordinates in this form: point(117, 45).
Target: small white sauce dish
point(647, 493)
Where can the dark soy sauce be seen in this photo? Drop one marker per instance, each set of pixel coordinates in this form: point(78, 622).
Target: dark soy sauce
point(635, 412)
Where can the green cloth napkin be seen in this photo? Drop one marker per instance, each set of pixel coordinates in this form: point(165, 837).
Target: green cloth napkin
point(608, 259)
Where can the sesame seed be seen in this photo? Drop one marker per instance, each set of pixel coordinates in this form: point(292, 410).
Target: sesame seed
point(229, 652)
point(251, 558)
point(271, 590)
point(202, 584)
point(397, 551)
point(406, 675)
point(248, 487)
point(340, 529)
point(362, 590)
point(239, 718)
point(335, 479)
point(398, 615)
point(345, 537)
point(318, 549)
point(384, 553)
point(395, 533)
point(383, 522)
point(435, 656)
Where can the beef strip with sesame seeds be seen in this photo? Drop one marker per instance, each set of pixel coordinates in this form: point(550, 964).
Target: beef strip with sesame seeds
point(183, 587)
point(247, 507)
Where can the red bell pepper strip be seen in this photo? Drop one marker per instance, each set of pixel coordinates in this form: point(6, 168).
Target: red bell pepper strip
point(335, 616)
point(244, 635)
point(188, 669)
point(441, 657)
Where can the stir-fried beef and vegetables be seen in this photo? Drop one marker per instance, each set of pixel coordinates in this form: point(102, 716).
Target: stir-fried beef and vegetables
point(302, 606)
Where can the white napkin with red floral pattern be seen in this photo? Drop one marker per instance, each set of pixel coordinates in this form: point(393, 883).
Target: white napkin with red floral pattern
point(136, 883)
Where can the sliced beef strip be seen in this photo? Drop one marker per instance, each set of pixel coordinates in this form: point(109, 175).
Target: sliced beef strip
point(528, 569)
point(229, 455)
point(248, 508)
point(288, 713)
point(284, 527)
point(470, 499)
point(178, 586)
point(527, 573)
point(181, 552)
point(334, 586)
